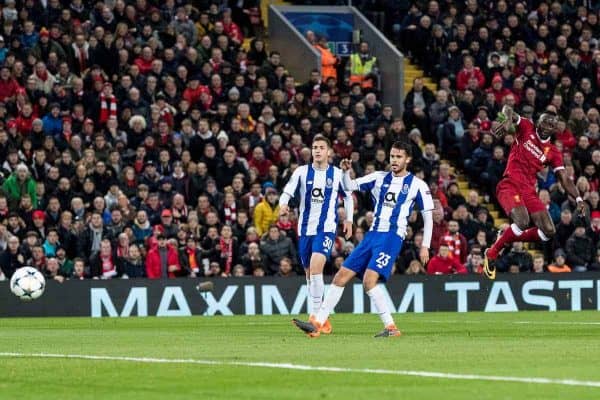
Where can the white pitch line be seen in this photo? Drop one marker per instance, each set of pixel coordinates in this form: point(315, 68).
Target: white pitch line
point(555, 323)
point(300, 367)
point(434, 321)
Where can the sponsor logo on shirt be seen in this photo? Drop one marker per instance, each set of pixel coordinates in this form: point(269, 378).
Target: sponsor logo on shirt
point(535, 151)
point(317, 196)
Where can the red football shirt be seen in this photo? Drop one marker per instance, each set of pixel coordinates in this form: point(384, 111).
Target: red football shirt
point(529, 154)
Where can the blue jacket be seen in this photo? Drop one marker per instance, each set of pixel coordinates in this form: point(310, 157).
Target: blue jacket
point(28, 41)
point(52, 126)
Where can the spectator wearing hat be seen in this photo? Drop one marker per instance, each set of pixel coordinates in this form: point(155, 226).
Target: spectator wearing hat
point(579, 248)
point(266, 212)
point(19, 183)
point(165, 191)
point(150, 177)
point(38, 223)
point(559, 265)
point(167, 226)
point(47, 45)
point(498, 90)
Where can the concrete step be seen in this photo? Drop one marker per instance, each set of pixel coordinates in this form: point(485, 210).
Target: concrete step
point(463, 185)
point(500, 221)
point(495, 214)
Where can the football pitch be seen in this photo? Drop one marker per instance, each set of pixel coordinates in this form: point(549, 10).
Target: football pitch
point(525, 355)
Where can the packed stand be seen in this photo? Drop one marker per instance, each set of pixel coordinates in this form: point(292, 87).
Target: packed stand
point(143, 141)
point(529, 55)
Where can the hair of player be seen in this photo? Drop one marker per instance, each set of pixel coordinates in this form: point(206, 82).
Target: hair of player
point(400, 145)
point(322, 138)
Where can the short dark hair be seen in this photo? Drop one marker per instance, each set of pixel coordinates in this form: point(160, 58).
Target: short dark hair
point(322, 138)
point(401, 145)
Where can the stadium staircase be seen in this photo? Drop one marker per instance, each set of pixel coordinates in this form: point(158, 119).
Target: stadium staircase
point(412, 71)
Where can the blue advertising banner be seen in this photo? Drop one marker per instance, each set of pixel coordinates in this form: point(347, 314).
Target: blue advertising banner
point(336, 27)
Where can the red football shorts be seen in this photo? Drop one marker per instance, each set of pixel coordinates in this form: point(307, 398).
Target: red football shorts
point(511, 194)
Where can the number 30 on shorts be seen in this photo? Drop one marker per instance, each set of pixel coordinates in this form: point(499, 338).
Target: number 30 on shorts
point(327, 243)
point(383, 260)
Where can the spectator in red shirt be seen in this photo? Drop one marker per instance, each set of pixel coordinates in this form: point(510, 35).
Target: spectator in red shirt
point(455, 241)
point(259, 162)
point(144, 62)
point(565, 136)
point(342, 146)
point(231, 29)
point(194, 90)
point(162, 260)
point(498, 89)
point(468, 71)
point(443, 263)
point(8, 85)
point(25, 119)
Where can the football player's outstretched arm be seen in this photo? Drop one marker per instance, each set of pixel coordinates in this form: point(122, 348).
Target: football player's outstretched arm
point(571, 189)
point(505, 122)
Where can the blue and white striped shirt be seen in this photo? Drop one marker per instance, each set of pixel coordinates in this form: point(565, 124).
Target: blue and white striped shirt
point(319, 191)
point(394, 198)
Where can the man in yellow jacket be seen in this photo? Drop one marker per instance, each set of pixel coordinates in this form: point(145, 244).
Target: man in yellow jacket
point(362, 67)
point(267, 211)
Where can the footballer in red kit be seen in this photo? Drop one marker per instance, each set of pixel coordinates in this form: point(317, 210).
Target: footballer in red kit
point(516, 192)
point(528, 156)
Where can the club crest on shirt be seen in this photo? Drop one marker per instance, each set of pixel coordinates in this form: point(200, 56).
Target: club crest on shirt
point(405, 189)
point(329, 183)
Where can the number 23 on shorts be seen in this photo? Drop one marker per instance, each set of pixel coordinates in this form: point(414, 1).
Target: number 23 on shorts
point(382, 260)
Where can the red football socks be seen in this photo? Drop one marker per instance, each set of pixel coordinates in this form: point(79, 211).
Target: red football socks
point(530, 235)
point(508, 236)
point(514, 234)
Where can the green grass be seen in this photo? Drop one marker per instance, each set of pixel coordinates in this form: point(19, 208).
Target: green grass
point(553, 345)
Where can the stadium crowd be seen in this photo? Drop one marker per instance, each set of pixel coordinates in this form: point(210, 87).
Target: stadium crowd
point(140, 139)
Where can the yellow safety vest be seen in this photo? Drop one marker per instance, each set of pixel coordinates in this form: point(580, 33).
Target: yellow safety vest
point(357, 68)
